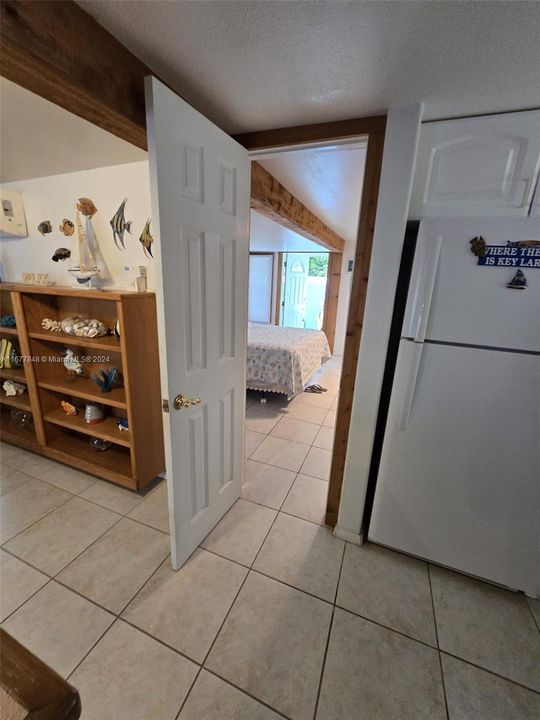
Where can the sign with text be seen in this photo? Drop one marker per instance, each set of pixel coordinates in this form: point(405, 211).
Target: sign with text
point(510, 256)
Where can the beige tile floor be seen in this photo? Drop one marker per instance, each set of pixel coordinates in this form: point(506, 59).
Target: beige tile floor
point(273, 617)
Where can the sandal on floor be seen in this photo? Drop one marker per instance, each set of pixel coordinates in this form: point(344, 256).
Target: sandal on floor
point(320, 388)
point(313, 389)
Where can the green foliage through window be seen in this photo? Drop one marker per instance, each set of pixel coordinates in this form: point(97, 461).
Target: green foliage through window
point(318, 265)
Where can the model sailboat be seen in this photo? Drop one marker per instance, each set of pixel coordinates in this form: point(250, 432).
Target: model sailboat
point(86, 268)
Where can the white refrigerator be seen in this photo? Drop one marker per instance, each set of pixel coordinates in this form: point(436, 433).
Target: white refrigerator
point(459, 474)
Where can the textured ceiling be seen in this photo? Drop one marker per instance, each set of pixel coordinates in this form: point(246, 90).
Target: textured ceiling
point(326, 180)
point(38, 138)
point(257, 65)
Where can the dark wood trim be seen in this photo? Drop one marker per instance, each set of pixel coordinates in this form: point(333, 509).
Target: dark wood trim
point(58, 51)
point(319, 132)
point(355, 320)
point(279, 280)
point(28, 684)
point(273, 256)
point(270, 198)
point(331, 298)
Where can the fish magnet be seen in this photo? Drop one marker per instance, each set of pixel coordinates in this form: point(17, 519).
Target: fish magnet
point(45, 227)
point(61, 254)
point(146, 239)
point(119, 225)
point(67, 227)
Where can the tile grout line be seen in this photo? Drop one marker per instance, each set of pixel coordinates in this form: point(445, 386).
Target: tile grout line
point(323, 667)
point(441, 668)
point(100, 638)
point(49, 580)
point(352, 612)
point(491, 672)
point(249, 569)
point(39, 519)
point(249, 695)
point(532, 614)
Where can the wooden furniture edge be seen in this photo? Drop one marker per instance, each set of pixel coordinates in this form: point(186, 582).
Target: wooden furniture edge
point(139, 341)
point(29, 371)
point(33, 685)
point(95, 294)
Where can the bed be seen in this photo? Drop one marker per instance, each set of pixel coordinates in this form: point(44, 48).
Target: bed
point(282, 359)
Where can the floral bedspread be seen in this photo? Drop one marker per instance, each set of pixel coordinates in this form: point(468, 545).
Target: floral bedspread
point(282, 359)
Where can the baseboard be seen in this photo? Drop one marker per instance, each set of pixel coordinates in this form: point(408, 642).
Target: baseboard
point(356, 539)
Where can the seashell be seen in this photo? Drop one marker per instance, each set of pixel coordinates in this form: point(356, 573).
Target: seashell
point(52, 325)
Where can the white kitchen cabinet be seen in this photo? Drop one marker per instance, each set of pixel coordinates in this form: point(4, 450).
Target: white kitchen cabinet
point(477, 166)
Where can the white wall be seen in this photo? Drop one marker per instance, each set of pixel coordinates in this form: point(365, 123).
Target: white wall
point(401, 142)
point(53, 198)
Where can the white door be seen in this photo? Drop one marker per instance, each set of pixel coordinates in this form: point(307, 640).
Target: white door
point(296, 273)
point(261, 276)
point(200, 205)
point(458, 478)
point(477, 166)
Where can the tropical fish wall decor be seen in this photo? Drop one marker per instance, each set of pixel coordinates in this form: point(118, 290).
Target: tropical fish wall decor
point(86, 207)
point(45, 227)
point(119, 225)
point(61, 254)
point(146, 239)
point(67, 228)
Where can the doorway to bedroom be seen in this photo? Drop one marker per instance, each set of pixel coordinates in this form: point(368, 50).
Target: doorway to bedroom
point(300, 274)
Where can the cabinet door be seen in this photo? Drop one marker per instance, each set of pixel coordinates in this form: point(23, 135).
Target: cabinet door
point(477, 166)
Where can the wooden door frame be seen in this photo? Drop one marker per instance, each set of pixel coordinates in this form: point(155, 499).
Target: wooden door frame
point(69, 68)
point(373, 129)
point(331, 297)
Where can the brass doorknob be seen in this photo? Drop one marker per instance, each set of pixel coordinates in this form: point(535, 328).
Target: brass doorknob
point(181, 402)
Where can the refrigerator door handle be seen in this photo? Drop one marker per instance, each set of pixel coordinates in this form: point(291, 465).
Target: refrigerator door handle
point(423, 292)
point(412, 354)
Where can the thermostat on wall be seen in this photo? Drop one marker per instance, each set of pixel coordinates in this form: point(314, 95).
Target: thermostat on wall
point(12, 219)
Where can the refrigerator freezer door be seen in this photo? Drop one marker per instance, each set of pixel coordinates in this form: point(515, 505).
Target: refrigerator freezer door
point(460, 486)
point(470, 304)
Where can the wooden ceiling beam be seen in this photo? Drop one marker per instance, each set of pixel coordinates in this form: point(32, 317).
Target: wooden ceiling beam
point(270, 198)
point(58, 51)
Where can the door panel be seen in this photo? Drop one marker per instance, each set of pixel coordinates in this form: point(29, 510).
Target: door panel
point(477, 166)
point(296, 273)
point(200, 206)
point(458, 480)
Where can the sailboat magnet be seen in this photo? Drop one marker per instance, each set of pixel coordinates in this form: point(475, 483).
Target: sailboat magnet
point(518, 282)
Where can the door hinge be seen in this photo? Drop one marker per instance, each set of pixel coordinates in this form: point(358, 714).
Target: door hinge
point(165, 405)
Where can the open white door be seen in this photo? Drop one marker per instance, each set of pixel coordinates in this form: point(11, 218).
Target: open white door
point(199, 178)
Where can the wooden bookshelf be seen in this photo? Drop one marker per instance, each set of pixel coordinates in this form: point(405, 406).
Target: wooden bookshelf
point(135, 457)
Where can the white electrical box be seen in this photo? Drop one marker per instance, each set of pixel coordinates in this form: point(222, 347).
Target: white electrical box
point(12, 219)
